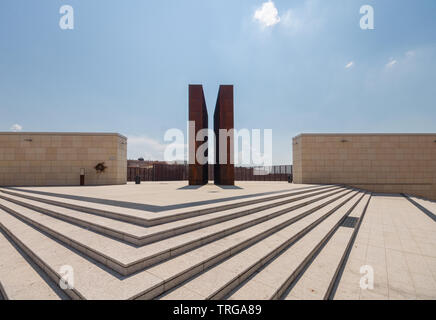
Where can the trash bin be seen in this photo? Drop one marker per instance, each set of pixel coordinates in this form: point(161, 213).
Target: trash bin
point(290, 178)
point(137, 180)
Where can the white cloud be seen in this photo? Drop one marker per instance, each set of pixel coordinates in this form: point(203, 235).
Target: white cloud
point(16, 128)
point(304, 19)
point(349, 65)
point(147, 148)
point(143, 146)
point(267, 15)
point(391, 63)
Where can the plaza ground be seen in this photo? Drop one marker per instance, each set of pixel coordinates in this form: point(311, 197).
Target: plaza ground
point(257, 240)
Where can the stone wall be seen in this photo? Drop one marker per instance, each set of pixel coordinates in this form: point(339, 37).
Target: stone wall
point(388, 163)
point(44, 159)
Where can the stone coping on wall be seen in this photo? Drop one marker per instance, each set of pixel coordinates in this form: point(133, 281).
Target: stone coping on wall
point(365, 134)
point(65, 134)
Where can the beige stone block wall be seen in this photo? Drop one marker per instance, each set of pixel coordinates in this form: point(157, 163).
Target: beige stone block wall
point(44, 159)
point(390, 163)
point(297, 166)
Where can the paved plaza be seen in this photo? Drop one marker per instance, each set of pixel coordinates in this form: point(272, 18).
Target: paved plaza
point(254, 240)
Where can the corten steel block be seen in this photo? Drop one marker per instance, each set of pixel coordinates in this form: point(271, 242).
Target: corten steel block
point(224, 173)
point(198, 173)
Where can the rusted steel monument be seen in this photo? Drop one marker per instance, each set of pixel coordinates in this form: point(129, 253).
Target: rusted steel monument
point(224, 171)
point(198, 173)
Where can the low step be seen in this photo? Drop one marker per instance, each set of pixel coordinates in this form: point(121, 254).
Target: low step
point(275, 278)
point(426, 206)
point(140, 235)
point(3, 295)
point(142, 217)
point(126, 259)
point(19, 279)
point(96, 281)
point(218, 281)
point(317, 281)
point(395, 242)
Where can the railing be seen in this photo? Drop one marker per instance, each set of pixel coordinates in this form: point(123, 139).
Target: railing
point(179, 172)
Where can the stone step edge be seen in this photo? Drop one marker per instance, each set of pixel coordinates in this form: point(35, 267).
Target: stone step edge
point(154, 221)
point(128, 269)
point(140, 241)
point(210, 262)
point(313, 254)
point(429, 213)
point(54, 276)
point(3, 295)
point(224, 291)
point(153, 291)
point(331, 291)
point(302, 265)
point(30, 264)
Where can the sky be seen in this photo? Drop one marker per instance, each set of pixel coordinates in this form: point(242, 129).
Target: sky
point(296, 66)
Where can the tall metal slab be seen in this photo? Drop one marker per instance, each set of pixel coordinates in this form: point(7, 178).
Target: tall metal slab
point(224, 170)
point(198, 118)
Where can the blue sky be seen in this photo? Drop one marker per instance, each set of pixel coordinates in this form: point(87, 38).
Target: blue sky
point(126, 67)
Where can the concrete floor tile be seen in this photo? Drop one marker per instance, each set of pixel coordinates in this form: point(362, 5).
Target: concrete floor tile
point(370, 295)
point(182, 293)
point(262, 291)
point(207, 283)
point(395, 238)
